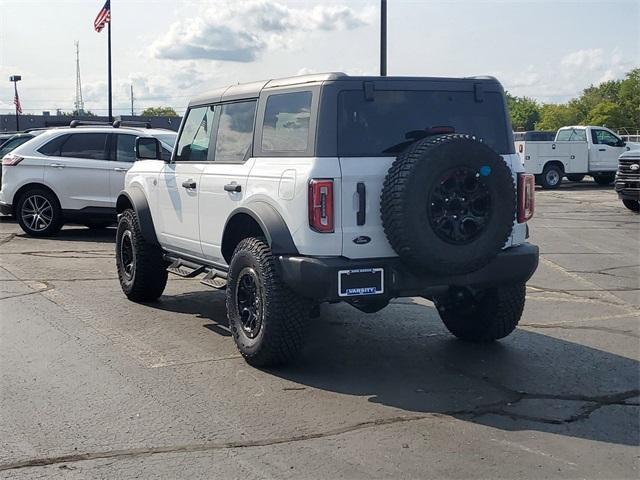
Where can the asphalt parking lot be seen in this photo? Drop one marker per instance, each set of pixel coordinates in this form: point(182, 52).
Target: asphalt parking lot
point(94, 386)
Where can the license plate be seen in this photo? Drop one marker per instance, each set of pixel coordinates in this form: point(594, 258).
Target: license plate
point(363, 281)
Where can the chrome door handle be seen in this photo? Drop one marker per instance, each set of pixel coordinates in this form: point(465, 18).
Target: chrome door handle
point(120, 169)
point(57, 165)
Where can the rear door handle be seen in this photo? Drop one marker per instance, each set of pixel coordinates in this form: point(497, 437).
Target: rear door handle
point(57, 165)
point(189, 184)
point(602, 149)
point(120, 169)
point(232, 187)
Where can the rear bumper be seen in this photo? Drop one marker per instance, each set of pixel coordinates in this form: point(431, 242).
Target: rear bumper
point(6, 209)
point(317, 278)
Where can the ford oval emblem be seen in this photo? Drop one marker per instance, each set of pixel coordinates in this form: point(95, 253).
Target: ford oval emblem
point(635, 167)
point(361, 240)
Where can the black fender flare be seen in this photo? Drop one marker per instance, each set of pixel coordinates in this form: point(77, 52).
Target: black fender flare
point(137, 199)
point(272, 224)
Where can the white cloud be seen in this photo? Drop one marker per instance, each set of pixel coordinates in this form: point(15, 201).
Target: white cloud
point(240, 31)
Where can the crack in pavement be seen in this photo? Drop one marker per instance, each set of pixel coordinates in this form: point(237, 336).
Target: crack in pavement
point(9, 237)
point(206, 446)
point(494, 408)
point(45, 289)
point(560, 326)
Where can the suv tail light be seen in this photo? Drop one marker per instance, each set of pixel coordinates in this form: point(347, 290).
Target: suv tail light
point(321, 205)
point(526, 197)
point(10, 160)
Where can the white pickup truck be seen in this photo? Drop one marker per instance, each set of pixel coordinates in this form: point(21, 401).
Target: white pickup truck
point(576, 151)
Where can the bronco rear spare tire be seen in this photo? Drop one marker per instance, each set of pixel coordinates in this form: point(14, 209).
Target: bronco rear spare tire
point(448, 204)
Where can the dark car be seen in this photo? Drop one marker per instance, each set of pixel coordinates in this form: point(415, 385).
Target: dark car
point(627, 182)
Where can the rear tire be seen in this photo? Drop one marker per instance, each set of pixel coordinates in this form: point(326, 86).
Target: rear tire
point(551, 177)
point(141, 269)
point(633, 205)
point(38, 212)
point(575, 177)
point(483, 316)
point(604, 179)
point(266, 318)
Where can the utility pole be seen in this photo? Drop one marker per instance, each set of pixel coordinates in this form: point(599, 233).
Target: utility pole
point(383, 38)
point(132, 99)
point(79, 102)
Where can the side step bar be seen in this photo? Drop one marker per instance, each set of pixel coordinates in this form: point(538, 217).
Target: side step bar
point(188, 269)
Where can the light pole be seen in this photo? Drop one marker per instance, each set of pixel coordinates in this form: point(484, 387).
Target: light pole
point(383, 38)
point(16, 100)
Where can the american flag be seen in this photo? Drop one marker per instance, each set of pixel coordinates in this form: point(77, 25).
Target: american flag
point(16, 102)
point(104, 17)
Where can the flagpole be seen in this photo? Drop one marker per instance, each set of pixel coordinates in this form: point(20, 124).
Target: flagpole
point(109, 55)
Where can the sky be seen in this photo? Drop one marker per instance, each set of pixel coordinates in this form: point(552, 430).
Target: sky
point(170, 50)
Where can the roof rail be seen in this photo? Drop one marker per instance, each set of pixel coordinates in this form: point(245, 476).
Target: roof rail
point(83, 123)
point(130, 123)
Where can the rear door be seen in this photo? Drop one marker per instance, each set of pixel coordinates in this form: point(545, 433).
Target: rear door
point(78, 170)
point(373, 129)
point(179, 183)
point(224, 180)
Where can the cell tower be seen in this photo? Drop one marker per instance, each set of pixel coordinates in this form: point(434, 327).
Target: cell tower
point(79, 103)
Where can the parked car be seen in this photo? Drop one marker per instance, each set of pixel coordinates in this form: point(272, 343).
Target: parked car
point(71, 175)
point(13, 142)
point(627, 182)
point(575, 152)
point(327, 188)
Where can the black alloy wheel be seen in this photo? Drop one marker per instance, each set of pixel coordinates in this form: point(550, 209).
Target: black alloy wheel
point(249, 301)
point(460, 206)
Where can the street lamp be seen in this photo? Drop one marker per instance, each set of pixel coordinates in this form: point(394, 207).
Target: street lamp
point(15, 79)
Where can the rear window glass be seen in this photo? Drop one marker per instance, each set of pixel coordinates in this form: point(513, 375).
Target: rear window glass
point(390, 122)
point(286, 122)
point(572, 135)
point(86, 145)
point(52, 148)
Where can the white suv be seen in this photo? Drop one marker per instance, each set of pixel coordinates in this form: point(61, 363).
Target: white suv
point(72, 175)
point(326, 188)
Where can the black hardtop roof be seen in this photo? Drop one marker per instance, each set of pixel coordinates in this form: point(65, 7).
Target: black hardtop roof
point(253, 89)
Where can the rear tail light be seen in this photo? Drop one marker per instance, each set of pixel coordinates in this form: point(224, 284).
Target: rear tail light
point(11, 160)
point(526, 197)
point(321, 205)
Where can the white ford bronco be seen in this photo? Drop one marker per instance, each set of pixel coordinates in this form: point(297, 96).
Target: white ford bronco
point(326, 188)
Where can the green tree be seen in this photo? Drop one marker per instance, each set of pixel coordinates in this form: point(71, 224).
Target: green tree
point(553, 116)
point(629, 99)
point(607, 114)
point(159, 112)
point(524, 111)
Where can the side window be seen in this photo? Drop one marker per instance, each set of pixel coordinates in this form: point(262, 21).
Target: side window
point(86, 145)
point(286, 122)
point(235, 132)
point(193, 144)
point(52, 147)
point(605, 138)
point(579, 135)
point(564, 135)
point(125, 148)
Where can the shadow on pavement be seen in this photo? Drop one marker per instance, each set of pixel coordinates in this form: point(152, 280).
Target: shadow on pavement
point(528, 381)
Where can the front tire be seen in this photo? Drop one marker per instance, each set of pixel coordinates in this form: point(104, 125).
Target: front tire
point(141, 269)
point(482, 316)
point(39, 213)
point(633, 205)
point(266, 318)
